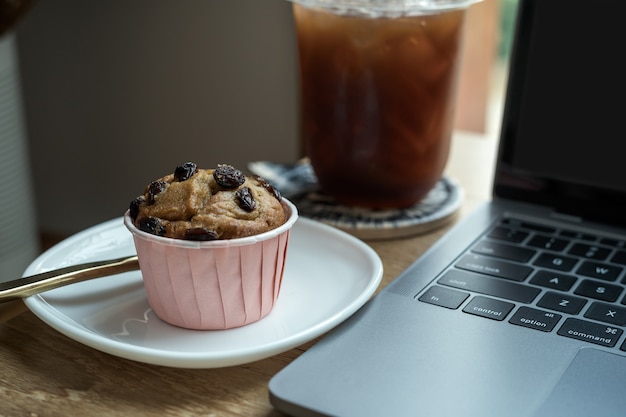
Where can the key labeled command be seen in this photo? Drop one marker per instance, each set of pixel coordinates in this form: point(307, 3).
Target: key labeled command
point(599, 334)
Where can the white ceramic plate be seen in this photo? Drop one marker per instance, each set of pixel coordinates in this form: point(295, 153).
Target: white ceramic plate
point(328, 276)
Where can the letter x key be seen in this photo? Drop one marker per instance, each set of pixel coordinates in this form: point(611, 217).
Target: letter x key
point(607, 313)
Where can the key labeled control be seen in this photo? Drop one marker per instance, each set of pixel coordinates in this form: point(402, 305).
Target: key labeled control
point(489, 308)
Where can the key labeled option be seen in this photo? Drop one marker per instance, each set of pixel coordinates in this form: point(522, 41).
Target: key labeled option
point(535, 319)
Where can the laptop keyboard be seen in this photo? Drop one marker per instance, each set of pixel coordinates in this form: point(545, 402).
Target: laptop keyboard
point(542, 278)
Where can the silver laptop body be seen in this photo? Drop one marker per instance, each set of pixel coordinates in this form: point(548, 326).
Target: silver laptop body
point(520, 309)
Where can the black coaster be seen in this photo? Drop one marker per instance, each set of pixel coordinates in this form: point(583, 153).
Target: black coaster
point(297, 182)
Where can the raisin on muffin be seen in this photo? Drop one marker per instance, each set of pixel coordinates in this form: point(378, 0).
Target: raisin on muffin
point(207, 204)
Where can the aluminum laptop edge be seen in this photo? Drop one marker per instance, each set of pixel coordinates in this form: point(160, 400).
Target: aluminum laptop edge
point(417, 351)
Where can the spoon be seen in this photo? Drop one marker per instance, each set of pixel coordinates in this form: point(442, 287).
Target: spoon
point(34, 284)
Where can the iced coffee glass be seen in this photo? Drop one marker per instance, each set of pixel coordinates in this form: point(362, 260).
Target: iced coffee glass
point(378, 85)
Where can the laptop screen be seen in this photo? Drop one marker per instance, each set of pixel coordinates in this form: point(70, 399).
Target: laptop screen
point(564, 117)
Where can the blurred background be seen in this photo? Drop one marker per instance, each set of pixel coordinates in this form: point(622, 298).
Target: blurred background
point(106, 96)
point(118, 93)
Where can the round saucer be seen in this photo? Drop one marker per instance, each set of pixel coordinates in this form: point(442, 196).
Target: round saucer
point(298, 183)
point(437, 208)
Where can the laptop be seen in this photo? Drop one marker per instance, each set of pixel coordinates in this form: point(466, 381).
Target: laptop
point(520, 309)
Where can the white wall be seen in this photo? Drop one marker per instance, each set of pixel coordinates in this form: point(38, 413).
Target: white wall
point(119, 92)
point(18, 231)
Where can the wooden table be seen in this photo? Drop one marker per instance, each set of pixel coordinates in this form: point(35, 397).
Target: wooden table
point(45, 373)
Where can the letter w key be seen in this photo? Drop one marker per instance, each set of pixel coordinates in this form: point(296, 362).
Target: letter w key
point(599, 270)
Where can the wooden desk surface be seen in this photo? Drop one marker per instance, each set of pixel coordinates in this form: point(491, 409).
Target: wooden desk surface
point(44, 373)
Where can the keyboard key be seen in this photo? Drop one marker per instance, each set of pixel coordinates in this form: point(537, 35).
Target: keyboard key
point(600, 270)
point(535, 319)
point(598, 290)
point(589, 251)
point(619, 257)
point(489, 286)
point(489, 308)
point(527, 225)
point(508, 234)
point(599, 334)
point(578, 235)
point(613, 242)
point(501, 250)
point(494, 267)
point(444, 297)
point(562, 302)
point(554, 280)
point(608, 313)
point(553, 261)
point(548, 242)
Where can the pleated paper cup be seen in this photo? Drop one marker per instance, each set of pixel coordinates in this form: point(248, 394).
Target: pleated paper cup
point(213, 285)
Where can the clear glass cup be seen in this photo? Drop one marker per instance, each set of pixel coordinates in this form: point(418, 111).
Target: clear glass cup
point(378, 88)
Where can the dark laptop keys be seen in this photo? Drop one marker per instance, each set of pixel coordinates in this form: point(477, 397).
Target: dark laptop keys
point(608, 313)
point(598, 290)
point(578, 235)
point(494, 267)
point(507, 234)
point(619, 257)
point(589, 251)
point(599, 270)
point(444, 297)
point(553, 280)
point(526, 225)
point(488, 308)
point(535, 319)
point(554, 261)
point(562, 302)
point(504, 251)
point(548, 242)
point(587, 331)
point(489, 286)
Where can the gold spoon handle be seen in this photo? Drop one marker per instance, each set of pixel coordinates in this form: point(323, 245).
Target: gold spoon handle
point(34, 284)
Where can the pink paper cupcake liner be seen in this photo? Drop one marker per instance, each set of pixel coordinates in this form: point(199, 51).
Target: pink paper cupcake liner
point(213, 285)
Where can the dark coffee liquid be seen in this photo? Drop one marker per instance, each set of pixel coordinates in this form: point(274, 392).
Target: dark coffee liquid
point(377, 102)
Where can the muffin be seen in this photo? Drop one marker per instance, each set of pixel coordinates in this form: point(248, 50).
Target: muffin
point(207, 204)
point(212, 246)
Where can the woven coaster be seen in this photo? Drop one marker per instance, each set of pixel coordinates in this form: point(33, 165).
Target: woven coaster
point(297, 182)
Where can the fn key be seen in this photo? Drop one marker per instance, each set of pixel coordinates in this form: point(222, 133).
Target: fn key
point(444, 297)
